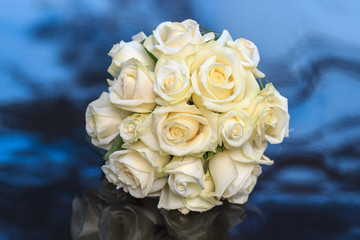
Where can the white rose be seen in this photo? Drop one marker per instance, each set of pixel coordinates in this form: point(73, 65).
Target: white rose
point(102, 121)
point(124, 51)
point(136, 170)
point(180, 130)
point(219, 81)
point(249, 152)
point(129, 127)
point(235, 128)
point(270, 112)
point(246, 51)
point(242, 195)
point(133, 89)
point(186, 176)
point(230, 176)
point(201, 203)
point(173, 38)
point(172, 80)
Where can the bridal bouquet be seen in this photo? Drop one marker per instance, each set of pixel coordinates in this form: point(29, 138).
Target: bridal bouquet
point(186, 118)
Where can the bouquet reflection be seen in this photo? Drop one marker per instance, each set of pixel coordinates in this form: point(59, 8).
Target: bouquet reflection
point(111, 214)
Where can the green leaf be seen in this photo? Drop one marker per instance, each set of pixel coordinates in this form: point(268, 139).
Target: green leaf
point(220, 148)
point(206, 166)
point(205, 160)
point(202, 160)
point(118, 142)
point(210, 155)
point(149, 53)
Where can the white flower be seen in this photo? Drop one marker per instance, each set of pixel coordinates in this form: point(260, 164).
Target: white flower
point(246, 51)
point(242, 195)
point(124, 51)
point(201, 203)
point(270, 113)
point(219, 81)
point(136, 170)
point(129, 127)
point(249, 152)
point(172, 80)
point(235, 128)
point(102, 121)
point(133, 89)
point(180, 130)
point(186, 177)
point(173, 38)
point(238, 178)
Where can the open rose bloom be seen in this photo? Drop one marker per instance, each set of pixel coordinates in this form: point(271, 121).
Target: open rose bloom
point(186, 118)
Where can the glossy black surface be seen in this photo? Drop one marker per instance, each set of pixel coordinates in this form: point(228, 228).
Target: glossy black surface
point(112, 214)
point(53, 63)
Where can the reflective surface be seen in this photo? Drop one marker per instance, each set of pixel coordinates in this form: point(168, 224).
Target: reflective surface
point(111, 214)
point(53, 63)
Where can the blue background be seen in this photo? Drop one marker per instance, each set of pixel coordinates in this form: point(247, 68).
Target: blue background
point(53, 62)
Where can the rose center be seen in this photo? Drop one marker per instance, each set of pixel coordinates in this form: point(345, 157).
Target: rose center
point(270, 118)
point(128, 80)
point(180, 129)
point(174, 31)
point(130, 129)
point(176, 133)
point(236, 131)
point(181, 187)
point(219, 81)
point(169, 83)
point(217, 77)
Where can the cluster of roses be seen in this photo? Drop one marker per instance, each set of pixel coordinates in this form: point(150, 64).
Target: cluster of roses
point(191, 117)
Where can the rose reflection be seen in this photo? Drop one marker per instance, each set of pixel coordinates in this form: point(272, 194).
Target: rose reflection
point(111, 214)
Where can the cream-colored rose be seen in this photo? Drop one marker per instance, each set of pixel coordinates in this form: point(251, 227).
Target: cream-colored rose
point(186, 176)
point(173, 38)
point(235, 128)
point(201, 203)
point(136, 170)
point(172, 80)
point(180, 130)
point(219, 81)
point(129, 127)
point(242, 195)
point(246, 51)
point(249, 152)
point(133, 89)
point(236, 180)
point(124, 51)
point(102, 121)
point(270, 113)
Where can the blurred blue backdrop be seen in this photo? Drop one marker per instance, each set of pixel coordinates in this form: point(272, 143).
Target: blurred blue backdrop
point(53, 62)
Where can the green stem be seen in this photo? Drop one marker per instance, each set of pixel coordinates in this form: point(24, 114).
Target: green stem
point(261, 84)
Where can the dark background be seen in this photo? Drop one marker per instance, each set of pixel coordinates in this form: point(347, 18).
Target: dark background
point(53, 62)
